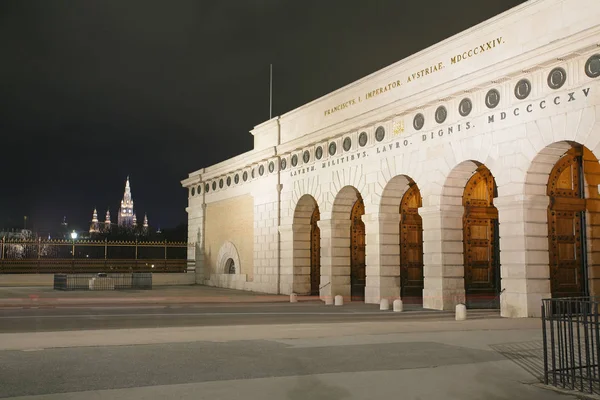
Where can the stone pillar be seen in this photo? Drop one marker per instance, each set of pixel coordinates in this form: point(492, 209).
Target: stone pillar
point(295, 259)
point(383, 257)
point(195, 250)
point(524, 271)
point(335, 258)
point(443, 269)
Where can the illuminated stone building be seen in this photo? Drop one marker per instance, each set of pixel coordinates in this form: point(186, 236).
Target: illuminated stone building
point(466, 173)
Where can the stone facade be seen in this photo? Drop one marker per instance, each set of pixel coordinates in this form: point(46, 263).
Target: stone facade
point(514, 94)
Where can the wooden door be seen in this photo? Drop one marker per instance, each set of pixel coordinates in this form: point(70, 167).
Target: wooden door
point(357, 251)
point(566, 230)
point(411, 246)
point(315, 253)
point(481, 241)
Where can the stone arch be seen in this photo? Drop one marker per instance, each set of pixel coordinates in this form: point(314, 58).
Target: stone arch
point(444, 256)
point(392, 252)
point(305, 257)
point(336, 242)
point(542, 257)
point(227, 252)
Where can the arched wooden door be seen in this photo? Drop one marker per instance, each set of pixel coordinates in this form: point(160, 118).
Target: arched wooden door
point(315, 252)
point(357, 251)
point(411, 246)
point(566, 226)
point(481, 241)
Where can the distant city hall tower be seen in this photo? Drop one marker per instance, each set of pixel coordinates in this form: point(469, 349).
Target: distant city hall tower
point(95, 226)
point(126, 217)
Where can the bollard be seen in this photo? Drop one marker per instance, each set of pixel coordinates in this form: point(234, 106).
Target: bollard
point(398, 306)
point(339, 300)
point(461, 312)
point(293, 298)
point(384, 305)
point(328, 300)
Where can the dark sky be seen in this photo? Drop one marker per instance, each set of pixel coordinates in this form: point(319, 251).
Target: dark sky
point(94, 90)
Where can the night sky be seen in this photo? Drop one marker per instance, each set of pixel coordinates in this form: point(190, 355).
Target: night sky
point(94, 90)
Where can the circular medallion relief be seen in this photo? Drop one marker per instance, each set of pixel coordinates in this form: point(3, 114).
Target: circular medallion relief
point(362, 139)
point(492, 98)
point(319, 152)
point(283, 163)
point(206, 188)
point(199, 190)
point(214, 185)
point(221, 183)
point(347, 144)
point(592, 66)
point(236, 178)
point(522, 89)
point(271, 166)
point(261, 170)
point(306, 156)
point(332, 148)
point(294, 160)
point(418, 121)
point(228, 181)
point(465, 107)
point(380, 133)
point(557, 77)
point(193, 191)
point(252, 173)
point(440, 114)
point(245, 176)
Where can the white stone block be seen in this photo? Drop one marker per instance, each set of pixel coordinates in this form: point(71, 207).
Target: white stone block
point(293, 298)
point(339, 300)
point(328, 300)
point(461, 312)
point(384, 305)
point(398, 306)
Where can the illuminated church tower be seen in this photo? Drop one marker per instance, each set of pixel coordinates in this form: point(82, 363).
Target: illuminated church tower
point(95, 226)
point(145, 226)
point(126, 216)
point(107, 221)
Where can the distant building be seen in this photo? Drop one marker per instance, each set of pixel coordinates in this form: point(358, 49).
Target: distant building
point(126, 219)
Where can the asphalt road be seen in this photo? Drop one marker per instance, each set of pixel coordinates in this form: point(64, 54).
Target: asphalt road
point(15, 320)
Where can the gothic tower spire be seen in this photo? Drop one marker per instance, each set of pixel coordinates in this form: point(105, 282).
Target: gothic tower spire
point(107, 220)
point(94, 226)
point(126, 216)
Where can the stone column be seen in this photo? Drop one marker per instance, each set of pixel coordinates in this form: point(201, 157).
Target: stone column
point(443, 263)
point(195, 250)
point(524, 271)
point(383, 257)
point(335, 258)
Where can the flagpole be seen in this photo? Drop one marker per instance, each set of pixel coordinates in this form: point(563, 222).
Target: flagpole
point(271, 93)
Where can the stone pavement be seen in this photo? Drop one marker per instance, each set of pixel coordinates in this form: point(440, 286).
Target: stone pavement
point(475, 359)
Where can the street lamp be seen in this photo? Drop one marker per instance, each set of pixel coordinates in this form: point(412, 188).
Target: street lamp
point(73, 236)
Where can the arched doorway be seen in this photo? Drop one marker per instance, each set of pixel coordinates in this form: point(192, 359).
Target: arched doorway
point(357, 251)
point(315, 252)
point(481, 241)
point(567, 226)
point(411, 246)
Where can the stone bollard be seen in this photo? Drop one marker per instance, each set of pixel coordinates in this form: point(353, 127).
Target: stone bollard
point(461, 312)
point(398, 306)
point(293, 298)
point(328, 300)
point(384, 305)
point(339, 300)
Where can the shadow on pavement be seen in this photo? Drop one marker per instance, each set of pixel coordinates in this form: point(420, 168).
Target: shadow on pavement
point(527, 355)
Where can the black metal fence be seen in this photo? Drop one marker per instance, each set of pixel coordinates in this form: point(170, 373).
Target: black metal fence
point(103, 281)
point(571, 336)
point(25, 256)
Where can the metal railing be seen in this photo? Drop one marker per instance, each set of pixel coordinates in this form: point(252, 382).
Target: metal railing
point(89, 256)
point(103, 281)
point(571, 337)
